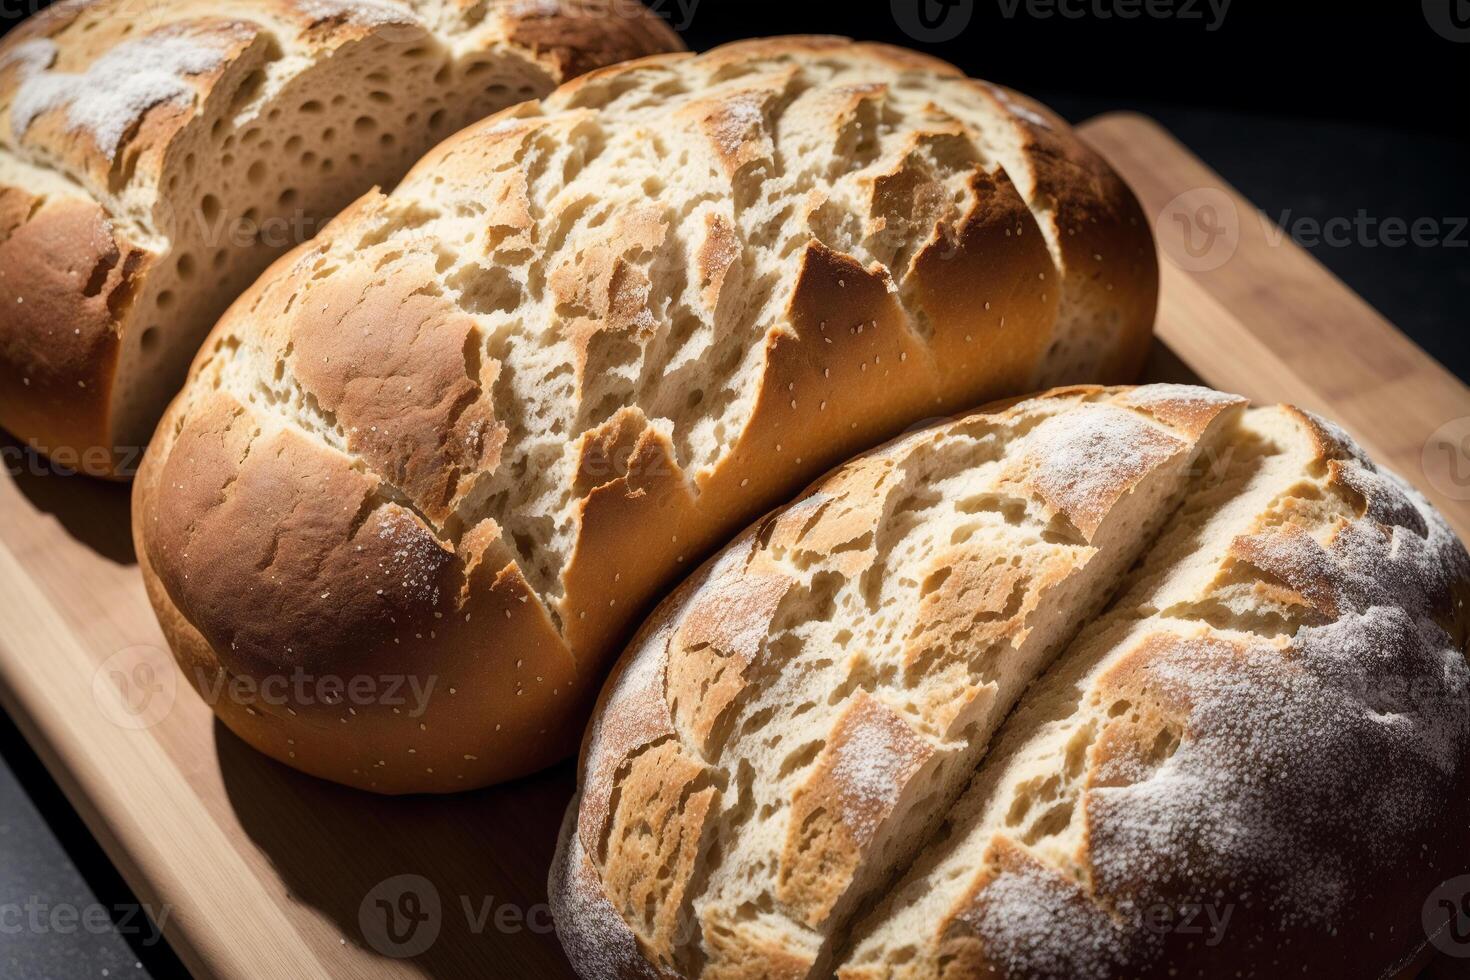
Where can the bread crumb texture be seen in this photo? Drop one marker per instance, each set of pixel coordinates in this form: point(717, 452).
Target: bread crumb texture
point(1105, 683)
point(155, 157)
point(498, 411)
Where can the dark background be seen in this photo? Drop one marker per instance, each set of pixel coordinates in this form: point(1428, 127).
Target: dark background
point(1314, 112)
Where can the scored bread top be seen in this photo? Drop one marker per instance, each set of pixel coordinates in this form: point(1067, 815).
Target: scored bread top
point(155, 154)
point(584, 341)
point(1248, 755)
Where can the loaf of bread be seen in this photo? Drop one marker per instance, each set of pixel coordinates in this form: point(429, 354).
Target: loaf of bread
point(473, 431)
point(1104, 683)
point(154, 158)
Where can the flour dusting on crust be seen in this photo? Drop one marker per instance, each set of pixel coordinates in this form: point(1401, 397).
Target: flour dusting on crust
point(369, 13)
point(113, 93)
point(31, 56)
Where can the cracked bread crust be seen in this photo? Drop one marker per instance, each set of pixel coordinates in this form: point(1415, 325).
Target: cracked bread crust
point(154, 160)
point(1255, 714)
point(585, 341)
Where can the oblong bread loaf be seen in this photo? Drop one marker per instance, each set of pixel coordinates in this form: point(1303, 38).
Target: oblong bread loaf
point(475, 429)
point(156, 156)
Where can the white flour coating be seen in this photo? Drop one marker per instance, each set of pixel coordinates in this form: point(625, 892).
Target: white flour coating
point(873, 763)
point(1018, 110)
point(30, 57)
point(369, 13)
point(1355, 730)
point(417, 560)
point(1339, 435)
point(111, 96)
point(1027, 905)
point(739, 121)
point(537, 8)
point(1381, 692)
point(599, 942)
point(1083, 456)
point(1172, 395)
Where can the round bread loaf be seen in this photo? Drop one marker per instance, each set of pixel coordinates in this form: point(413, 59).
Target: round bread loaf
point(155, 156)
point(471, 433)
point(1104, 683)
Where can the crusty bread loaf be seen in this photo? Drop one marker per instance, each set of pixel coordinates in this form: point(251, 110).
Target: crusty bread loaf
point(1243, 746)
point(474, 429)
point(154, 157)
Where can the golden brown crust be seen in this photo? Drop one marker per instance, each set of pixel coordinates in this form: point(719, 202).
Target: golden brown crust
point(133, 133)
point(67, 284)
point(699, 673)
point(1100, 226)
point(552, 331)
point(1253, 758)
point(580, 36)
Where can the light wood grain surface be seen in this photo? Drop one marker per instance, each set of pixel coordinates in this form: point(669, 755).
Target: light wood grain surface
point(264, 873)
point(1254, 313)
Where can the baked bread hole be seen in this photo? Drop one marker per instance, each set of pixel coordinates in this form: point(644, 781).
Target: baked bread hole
point(248, 89)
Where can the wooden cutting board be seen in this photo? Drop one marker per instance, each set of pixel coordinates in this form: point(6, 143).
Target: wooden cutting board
point(261, 872)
